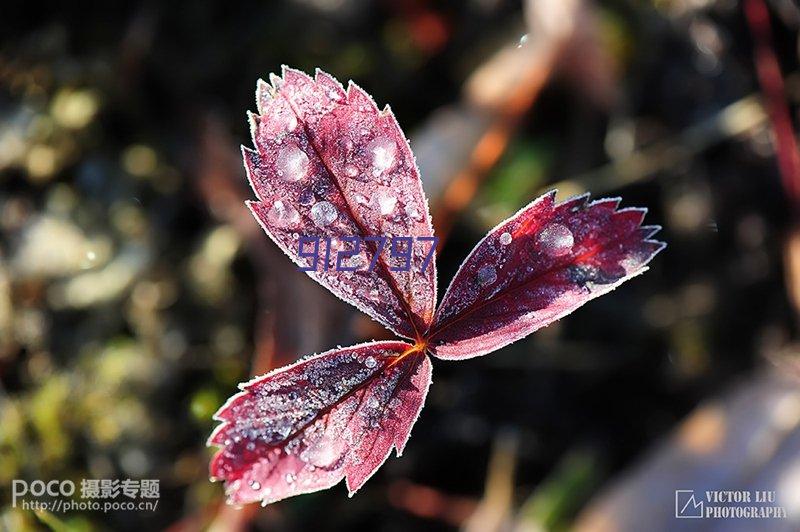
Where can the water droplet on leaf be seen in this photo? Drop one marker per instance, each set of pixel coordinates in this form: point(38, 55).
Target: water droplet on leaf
point(556, 239)
point(282, 215)
point(385, 202)
point(351, 170)
point(325, 452)
point(383, 153)
point(370, 362)
point(285, 429)
point(505, 238)
point(291, 121)
point(486, 275)
point(412, 212)
point(323, 213)
point(292, 164)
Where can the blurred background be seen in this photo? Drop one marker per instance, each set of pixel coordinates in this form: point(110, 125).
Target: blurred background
point(136, 290)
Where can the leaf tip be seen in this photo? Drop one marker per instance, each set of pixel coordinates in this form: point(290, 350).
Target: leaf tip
point(576, 201)
point(359, 97)
point(331, 85)
point(252, 120)
point(548, 198)
point(264, 93)
point(276, 80)
point(253, 206)
point(354, 486)
point(649, 230)
point(293, 75)
point(659, 247)
point(320, 76)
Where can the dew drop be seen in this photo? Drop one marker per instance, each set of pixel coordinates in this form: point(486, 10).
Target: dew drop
point(412, 212)
point(486, 275)
point(290, 478)
point(256, 485)
point(326, 452)
point(292, 164)
point(522, 41)
point(385, 202)
point(282, 215)
point(351, 170)
point(556, 239)
point(370, 362)
point(383, 153)
point(505, 239)
point(285, 429)
point(360, 198)
point(323, 213)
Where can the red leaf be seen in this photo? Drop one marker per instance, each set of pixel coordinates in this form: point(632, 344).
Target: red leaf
point(536, 267)
point(304, 427)
point(329, 163)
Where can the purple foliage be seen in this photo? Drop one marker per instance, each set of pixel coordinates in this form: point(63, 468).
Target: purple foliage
point(329, 165)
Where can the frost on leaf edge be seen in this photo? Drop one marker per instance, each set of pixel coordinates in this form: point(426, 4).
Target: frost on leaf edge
point(653, 229)
point(399, 448)
point(271, 89)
